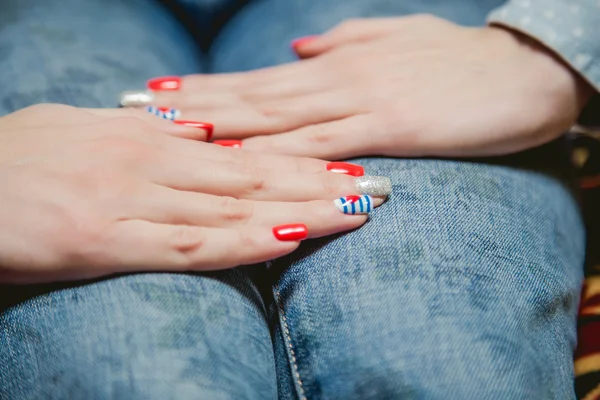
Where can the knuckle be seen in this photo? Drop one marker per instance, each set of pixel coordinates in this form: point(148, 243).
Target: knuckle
point(234, 210)
point(319, 135)
point(188, 241)
point(247, 240)
point(331, 184)
point(254, 179)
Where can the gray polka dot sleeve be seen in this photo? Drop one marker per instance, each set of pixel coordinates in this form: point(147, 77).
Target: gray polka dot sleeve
point(569, 27)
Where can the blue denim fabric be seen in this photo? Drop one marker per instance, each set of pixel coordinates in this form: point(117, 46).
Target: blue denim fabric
point(464, 285)
point(146, 336)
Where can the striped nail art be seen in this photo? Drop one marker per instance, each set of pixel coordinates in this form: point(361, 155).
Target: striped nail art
point(354, 204)
point(164, 112)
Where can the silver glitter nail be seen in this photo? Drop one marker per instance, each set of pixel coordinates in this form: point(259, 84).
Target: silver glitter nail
point(136, 98)
point(374, 185)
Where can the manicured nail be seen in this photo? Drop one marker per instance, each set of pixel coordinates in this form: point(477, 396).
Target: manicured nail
point(208, 127)
point(136, 98)
point(164, 83)
point(163, 112)
point(229, 143)
point(175, 112)
point(290, 232)
point(302, 41)
point(346, 168)
point(374, 185)
point(354, 204)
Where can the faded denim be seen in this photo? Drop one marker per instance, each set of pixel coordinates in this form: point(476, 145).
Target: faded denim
point(464, 285)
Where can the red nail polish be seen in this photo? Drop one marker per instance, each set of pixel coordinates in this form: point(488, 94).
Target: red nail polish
point(346, 168)
point(164, 83)
point(229, 143)
point(208, 127)
point(302, 41)
point(352, 198)
point(290, 232)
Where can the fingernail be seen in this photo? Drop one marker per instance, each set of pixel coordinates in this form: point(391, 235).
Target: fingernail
point(163, 112)
point(164, 83)
point(290, 232)
point(374, 185)
point(229, 143)
point(208, 127)
point(346, 168)
point(302, 41)
point(136, 98)
point(354, 204)
point(175, 112)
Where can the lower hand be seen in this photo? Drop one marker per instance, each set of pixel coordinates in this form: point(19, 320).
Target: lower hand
point(86, 193)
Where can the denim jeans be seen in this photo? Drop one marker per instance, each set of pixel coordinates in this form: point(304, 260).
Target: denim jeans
point(464, 285)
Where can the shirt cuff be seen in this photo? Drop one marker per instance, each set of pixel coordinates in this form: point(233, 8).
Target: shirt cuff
point(570, 29)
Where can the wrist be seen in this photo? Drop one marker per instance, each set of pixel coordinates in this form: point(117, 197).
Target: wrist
point(555, 77)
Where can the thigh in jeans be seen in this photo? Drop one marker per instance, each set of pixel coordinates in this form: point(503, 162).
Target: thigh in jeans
point(145, 336)
point(84, 53)
point(463, 286)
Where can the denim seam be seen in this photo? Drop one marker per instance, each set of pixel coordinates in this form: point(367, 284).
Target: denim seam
point(290, 347)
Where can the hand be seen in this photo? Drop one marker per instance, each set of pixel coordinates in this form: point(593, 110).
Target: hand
point(84, 194)
point(397, 87)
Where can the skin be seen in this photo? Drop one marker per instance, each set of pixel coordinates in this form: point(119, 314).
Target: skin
point(87, 193)
point(411, 86)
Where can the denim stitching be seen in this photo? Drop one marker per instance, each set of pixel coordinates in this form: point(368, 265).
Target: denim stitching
point(288, 339)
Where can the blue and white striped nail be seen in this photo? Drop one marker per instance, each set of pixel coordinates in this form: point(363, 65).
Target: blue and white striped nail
point(354, 204)
point(164, 112)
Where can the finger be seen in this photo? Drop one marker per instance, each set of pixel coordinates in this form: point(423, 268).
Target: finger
point(282, 115)
point(164, 247)
point(214, 152)
point(351, 31)
point(183, 128)
point(336, 140)
point(201, 82)
point(322, 217)
point(221, 91)
point(250, 182)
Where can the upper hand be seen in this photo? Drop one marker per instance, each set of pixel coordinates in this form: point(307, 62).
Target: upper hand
point(398, 87)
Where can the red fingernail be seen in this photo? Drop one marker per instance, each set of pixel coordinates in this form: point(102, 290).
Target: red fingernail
point(290, 232)
point(208, 127)
point(346, 168)
point(229, 143)
point(164, 83)
point(302, 41)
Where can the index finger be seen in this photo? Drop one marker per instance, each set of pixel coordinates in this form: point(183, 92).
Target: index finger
point(209, 151)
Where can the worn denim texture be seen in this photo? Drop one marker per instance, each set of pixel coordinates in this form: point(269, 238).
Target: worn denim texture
point(464, 285)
